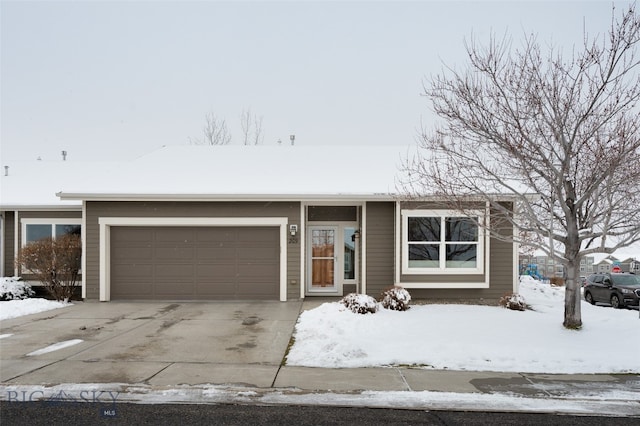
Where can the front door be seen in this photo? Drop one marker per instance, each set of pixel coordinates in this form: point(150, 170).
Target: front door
point(323, 259)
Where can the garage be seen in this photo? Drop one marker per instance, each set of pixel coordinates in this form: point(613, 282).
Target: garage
point(194, 263)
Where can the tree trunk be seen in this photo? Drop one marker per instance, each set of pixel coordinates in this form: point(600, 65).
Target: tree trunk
point(572, 298)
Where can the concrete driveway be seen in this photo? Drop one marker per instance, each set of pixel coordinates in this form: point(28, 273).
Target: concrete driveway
point(154, 343)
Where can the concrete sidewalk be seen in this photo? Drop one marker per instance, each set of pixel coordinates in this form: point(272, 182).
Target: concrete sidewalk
point(240, 345)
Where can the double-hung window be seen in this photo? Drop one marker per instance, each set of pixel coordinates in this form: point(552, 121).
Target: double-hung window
point(442, 241)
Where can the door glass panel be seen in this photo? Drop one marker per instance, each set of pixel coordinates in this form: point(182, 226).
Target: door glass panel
point(323, 242)
point(349, 253)
point(322, 275)
point(323, 251)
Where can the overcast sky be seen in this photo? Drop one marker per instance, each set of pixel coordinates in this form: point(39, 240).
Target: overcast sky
point(108, 79)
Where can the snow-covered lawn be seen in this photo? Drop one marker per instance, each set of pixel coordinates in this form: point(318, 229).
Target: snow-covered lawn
point(18, 290)
point(466, 337)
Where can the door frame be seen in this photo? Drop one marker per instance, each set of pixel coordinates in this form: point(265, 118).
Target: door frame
point(339, 255)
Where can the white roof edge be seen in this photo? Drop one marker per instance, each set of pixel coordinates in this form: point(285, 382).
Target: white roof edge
point(256, 197)
point(223, 197)
point(33, 207)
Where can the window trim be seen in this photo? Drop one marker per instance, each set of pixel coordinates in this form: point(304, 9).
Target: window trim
point(45, 221)
point(442, 269)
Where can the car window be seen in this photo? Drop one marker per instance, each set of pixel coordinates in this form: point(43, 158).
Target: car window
point(627, 280)
point(598, 279)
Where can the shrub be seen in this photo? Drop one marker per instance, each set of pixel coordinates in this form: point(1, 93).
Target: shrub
point(11, 288)
point(55, 263)
point(395, 298)
point(513, 301)
point(360, 303)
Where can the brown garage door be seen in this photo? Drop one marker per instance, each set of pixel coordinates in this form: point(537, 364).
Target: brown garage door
point(189, 263)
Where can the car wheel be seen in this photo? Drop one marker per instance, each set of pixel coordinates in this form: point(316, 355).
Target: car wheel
point(589, 298)
point(615, 301)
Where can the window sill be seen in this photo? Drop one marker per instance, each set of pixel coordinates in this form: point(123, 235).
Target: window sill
point(436, 285)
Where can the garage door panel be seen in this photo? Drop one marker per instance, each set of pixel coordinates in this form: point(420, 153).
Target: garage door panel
point(214, 255)
point(131, 235)
point(174, 270)
point(175, 236)
point(190, 263)
point(175, 288)
point(266, 270)
point(258, 253)
point(257, 235)
point(134, 288)
point(132, 271)
point(258, 291)
point(220, 290)
point(215, 235)
point(216, 272)
point(128, 254)
point(170, 253)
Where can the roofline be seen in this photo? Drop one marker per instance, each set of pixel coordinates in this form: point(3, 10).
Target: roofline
point(258, 197)
point(222, 197)
point(48, 207)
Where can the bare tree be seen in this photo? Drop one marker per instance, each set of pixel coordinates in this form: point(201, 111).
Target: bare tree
point(55, 262)
point(251, 128)
point(565, 127)
point(215, 132)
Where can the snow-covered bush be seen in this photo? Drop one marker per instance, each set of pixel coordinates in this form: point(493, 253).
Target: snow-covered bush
point(11, 288)
point(360, 303)
point(513, 301)
point(395, 298)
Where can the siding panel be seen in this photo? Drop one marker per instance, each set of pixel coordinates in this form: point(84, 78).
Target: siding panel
point(380, 246)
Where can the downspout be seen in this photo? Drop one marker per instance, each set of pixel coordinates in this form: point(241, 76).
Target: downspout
point(16, 242)
point(303, 245)
point(83, 236)
point(363, 238)
point(398, 243)
point(2, 249)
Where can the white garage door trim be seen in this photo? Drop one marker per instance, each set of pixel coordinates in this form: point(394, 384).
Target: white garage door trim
point(107, 222)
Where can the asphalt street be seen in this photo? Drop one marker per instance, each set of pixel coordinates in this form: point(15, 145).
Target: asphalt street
point(47, 413)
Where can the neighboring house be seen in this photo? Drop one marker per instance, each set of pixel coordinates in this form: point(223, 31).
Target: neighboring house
point(546, 267)
point(262, 222)
point(30, 209)
point(609, 263)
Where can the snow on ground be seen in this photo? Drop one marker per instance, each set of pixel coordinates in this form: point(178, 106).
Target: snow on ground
point(467, 337)
point(17, 308)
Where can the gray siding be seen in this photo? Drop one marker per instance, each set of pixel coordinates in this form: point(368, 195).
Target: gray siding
point(95, 210)
point(8, 244)
point(380, 246)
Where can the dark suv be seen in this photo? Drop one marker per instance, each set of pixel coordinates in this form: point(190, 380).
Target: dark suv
point(619, 290)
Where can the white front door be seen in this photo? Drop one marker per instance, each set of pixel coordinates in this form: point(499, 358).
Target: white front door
point(332, 253)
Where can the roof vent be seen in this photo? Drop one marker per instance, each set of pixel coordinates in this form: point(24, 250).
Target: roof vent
point(64, 155)
point(293, 139)
point(6, 170)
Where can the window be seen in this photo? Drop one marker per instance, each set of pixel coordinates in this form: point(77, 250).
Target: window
point(441, 241)
point(37, 229)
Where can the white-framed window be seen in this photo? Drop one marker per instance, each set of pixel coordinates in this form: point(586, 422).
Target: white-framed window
point(37, 229)
point(442, 241)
